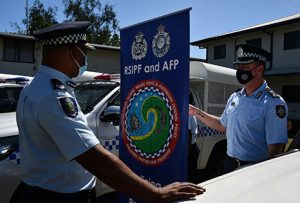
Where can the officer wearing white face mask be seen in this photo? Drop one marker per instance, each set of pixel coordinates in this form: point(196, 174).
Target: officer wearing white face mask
point(255, 117)
point(59, 153)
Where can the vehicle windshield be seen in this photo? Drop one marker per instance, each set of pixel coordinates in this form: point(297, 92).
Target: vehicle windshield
point(88, 94)
point(9, 99)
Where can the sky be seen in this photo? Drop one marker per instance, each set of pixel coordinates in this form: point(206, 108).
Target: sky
point(208, 18)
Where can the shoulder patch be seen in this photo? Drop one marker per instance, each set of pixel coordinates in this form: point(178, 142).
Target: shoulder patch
point(57, 84)
point(280, 111)
point(272, 92)
point(69, 106)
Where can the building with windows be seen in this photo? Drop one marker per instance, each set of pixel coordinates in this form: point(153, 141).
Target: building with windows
point(281, 38)
point(22, 55)
point(19, 54)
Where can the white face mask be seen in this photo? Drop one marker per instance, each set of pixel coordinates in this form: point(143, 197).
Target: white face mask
point(82, 68)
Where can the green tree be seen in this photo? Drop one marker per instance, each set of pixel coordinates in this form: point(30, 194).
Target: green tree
point(39, 17)
point(104, 23)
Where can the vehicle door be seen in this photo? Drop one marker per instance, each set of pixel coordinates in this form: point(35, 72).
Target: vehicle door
point(108, 124)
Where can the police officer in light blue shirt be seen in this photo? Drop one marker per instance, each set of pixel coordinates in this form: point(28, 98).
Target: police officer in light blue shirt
point(255, 117)
point(59, 153)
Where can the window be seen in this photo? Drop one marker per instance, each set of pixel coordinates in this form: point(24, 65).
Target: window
point(191, 99)
point(255, 42)
point(291, 94)
point(116, 99)
point(15, 50)
point(291, 40)
point(90, 94)
point(9, 98)
point(220, 52)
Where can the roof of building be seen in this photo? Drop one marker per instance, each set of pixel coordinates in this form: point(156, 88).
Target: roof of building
point(18, 36)
point(283, 71)
point(27, 37)
point(260, 27)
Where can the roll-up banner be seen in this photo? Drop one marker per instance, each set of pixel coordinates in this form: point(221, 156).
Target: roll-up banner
point(154, 99)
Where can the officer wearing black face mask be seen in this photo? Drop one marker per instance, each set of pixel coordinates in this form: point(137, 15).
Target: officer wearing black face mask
point(248, 59)
point(255, 117)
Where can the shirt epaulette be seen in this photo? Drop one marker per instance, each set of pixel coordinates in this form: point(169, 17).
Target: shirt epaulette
point(272, 92)
point(58, 84)
point(71, 84)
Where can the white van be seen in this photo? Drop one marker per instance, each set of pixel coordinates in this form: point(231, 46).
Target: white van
point(211, 86)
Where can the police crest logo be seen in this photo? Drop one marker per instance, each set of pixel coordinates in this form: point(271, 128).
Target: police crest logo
point(151, 123)
point(239, 52)
point(161, 42)
point(69, 106)
point(280, 111)
point(139, 47)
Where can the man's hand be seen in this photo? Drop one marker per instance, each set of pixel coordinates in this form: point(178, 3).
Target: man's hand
point(179, 191)
point(210, 120)
point(193, 110)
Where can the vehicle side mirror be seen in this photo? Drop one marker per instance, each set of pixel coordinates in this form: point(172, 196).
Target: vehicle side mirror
point(5, 151)
point(111, 114)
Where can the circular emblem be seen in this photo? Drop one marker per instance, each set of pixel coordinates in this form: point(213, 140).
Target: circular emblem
point(244, 76)
point(161, 42)
point(139, 47)
point(239, 52)
point(150, 122)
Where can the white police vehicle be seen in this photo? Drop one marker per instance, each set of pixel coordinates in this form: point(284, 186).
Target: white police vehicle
point(10, 88)
point(99, 100)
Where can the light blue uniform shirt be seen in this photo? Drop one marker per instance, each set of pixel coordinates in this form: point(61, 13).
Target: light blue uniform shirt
point(49, 138)
point(254, 122)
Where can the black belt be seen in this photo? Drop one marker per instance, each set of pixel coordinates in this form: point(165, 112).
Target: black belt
point(51, 196)
point(238, 162)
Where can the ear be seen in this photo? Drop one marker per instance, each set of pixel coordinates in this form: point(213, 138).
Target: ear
point(260, 69)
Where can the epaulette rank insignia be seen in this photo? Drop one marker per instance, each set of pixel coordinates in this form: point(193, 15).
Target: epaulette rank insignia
point(272, 92)
point(71, 84)
point(57, 84)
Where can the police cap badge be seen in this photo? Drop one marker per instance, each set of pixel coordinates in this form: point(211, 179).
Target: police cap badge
point(246, 53)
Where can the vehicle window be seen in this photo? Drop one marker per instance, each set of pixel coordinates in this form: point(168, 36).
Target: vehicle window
point(116, 100)
point(89, 94)
point(10, 141)
point(191, 99)
point(9, 99)
point(197, 90)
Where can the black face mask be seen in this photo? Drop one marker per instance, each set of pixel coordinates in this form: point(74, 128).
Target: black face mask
point(244, 76)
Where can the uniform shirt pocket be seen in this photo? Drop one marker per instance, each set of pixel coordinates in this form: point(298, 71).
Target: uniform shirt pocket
point(255, 119)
